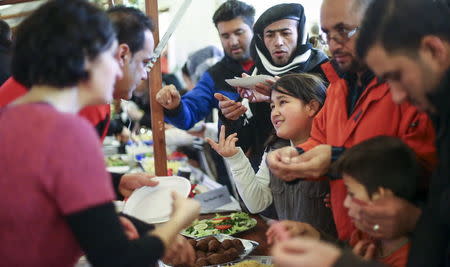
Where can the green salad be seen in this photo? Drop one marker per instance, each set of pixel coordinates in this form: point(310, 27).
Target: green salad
point(220, 224)
point(115, 161)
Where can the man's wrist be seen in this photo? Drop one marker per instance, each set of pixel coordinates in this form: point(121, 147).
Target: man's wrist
point(173, 112)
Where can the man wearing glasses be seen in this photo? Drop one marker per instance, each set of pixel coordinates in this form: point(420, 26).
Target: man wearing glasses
point(358, 106)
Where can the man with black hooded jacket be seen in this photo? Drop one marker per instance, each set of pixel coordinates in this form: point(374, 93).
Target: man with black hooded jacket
point(234, 21)
point(279, 46)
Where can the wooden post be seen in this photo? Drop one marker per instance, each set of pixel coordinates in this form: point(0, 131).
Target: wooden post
point(157, 112)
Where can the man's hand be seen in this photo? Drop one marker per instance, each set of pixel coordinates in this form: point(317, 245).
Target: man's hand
point(261, 92)
point(232, 110)
point(131, 181)
point(304, 252)
point(284, 230)
point(365, 249)
point(168, 97)
point(184, 210)
point(180, 252)
point(288, 165)
point(129, 228)
point(226, 146)
point(265, 87)
point(252, 95)
point(394, 216)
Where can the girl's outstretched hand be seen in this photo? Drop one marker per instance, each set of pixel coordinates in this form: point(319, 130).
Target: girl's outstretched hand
point(226, 146)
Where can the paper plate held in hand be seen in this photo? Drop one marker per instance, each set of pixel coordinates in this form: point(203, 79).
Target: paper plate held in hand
point(248, 82)
point(154, 204)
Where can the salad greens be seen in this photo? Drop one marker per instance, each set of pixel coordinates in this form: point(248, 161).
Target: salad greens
point(220, 224)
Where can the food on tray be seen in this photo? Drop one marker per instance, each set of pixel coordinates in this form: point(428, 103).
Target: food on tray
point(115, 160)
point(210, 251)
point(229, 224)
point(251, 263)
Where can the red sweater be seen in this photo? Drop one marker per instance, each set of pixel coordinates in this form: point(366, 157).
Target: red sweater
point(98, 115)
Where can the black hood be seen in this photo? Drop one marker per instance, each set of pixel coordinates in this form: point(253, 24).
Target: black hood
point(282, 11)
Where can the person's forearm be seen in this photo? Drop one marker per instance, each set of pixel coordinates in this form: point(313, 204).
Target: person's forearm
point(141, 227)
point(102, 238)
point(115, 177)
point(167, 232)
point(253, 188)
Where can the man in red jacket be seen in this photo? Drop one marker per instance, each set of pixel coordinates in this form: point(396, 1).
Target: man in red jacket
point(414, 58)
point(358, 106)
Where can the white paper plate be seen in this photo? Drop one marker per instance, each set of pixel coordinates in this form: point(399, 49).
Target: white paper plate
point(249, 82)
point(154, 204)
point(118, 169)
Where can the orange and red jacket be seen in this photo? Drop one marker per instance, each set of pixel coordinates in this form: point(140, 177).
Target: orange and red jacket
point(374, 114)
point(98, 115)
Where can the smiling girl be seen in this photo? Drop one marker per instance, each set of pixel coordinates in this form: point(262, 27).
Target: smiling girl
point(295, 101)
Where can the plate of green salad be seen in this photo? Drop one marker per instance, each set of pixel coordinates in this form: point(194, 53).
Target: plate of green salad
point(220, 224)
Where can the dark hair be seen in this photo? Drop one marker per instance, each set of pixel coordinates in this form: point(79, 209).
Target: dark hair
point(52, 44)
point(232, 9)
point(304, 86)
point(401, 24)
point(5, 34)
point(130, 24)
point(185, 70)
point(381, 161)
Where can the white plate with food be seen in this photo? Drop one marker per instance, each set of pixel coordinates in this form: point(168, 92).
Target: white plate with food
point(154, 204)
point(230, 224)
point(220, 250)
point(249, 82)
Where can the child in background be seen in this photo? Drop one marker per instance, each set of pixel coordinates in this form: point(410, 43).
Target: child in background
point(377, 168)
point(295, 101)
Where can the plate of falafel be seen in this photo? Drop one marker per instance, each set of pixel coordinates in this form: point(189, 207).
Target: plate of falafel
point(221, 250)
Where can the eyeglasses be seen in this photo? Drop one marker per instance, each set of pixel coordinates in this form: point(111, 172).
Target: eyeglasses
point(342, 36)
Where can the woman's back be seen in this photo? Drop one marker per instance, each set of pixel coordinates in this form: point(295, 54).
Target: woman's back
point(51, 166)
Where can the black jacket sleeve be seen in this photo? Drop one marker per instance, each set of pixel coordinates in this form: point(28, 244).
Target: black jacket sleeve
point(115, 177)
point(101, 237)
point(141, 227)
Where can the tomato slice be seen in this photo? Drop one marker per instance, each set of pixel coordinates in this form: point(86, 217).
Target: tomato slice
point(220, 219)
point(223, 226)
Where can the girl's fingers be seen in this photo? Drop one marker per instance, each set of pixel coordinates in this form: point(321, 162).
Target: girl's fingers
point(222, 135)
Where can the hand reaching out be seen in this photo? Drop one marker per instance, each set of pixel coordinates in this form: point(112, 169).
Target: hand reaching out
point(365, 249)
point(230, 109)
point(179, 252)
point(226, 146)
point(184, 210)
point(261, 92)
point(168, 97)
point(286, 229)
point(129, 228)
point(131, 181)
point(304, 252)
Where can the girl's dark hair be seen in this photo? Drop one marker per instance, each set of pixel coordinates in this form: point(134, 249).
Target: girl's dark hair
point(52, 44)
point(304, 86)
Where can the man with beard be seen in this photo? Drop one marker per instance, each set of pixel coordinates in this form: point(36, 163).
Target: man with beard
point(234, 21)
point(414, 58)
point(358, 106)
point(279, 46)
